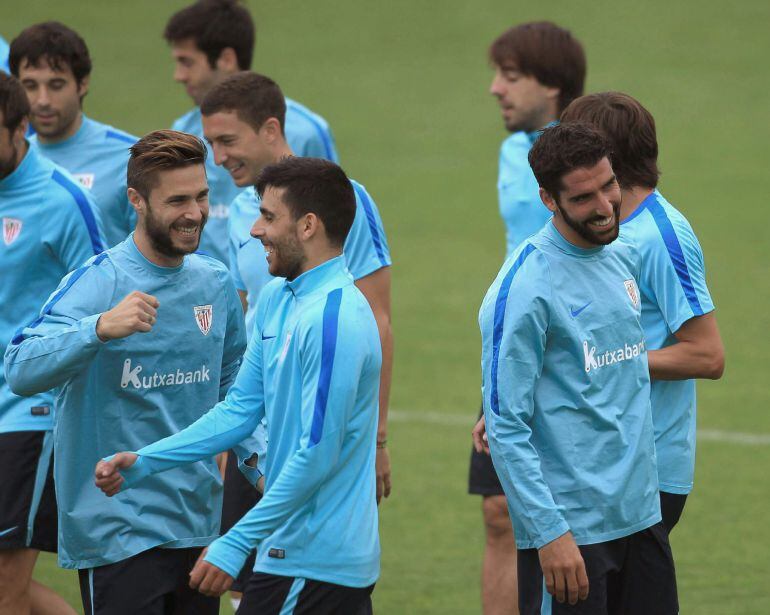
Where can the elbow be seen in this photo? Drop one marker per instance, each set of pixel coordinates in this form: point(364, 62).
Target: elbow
point(716, 365)
point(19, 385)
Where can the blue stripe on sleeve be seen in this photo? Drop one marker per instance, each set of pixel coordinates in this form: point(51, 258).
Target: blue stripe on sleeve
point(497, 332)
point(319, 128)
point(114, 134)
point(675, 254)
point(48, 307)
point(328, 347)
point(85, 210)
point(367, 204)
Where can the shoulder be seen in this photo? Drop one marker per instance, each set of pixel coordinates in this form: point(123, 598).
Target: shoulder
point(207, 267)
point(244, 199)
point(297, 112)
point(66, 190)
point(343, 312)
point(94, 278)
point(527, 271)
point(515, 146)
point(663, 228)
point(117, 137)
point(187, 121)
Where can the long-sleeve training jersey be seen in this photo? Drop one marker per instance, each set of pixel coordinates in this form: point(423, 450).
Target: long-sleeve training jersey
point(121, 394)
point(312, 367)
point(567, 392)
point(50, 227)
point(673, 289)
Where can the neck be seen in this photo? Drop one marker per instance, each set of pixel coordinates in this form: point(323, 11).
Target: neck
point(282, 150)
point(318, 257)
point(566, 231)
point(631, 198)
point(21, 152)
point(145, 246)
point(71, 130)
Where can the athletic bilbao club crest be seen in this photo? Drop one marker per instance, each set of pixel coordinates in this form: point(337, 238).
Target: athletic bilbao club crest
point(633, 292)
point(204, 314)
point(11, 230)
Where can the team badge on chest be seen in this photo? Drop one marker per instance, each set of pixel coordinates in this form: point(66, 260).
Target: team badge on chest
point(633, 292)
point(204, 315)
point(11, 230)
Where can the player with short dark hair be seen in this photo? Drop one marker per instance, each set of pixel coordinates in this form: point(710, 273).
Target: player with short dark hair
point(54, 66)
point(566, 397)
point(539, 68)
point(312, 369)
point(139, 342)
point(211, 39)
point(682, 335)
point(50, 227)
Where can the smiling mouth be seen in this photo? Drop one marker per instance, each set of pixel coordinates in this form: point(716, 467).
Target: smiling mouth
point(602, 223)
point(187, 231)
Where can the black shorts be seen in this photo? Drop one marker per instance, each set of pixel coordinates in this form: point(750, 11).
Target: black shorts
point(154, 582)
point(269, 594)
point(28, 517)
point(240, 497)
point(482, 478)
point(671, 507)
point(633, 575)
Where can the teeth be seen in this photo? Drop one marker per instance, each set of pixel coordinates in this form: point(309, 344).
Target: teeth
point(187, 230)
point(602, 221)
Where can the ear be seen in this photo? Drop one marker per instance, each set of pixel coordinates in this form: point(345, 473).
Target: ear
point(548, 200)
point(137, 201)
point(552, 93)
point(271, 130)
point(83, 86)
point(20, 134)
point(308, 226)
point(227, 61)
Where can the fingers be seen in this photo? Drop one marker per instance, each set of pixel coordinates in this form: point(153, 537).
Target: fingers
point(198, 572)
point(148, 299)
point(380, 488)
point(550, 586)
point(582, 579)
point(208, 579)
point(387, 485)
point(572, 585)
point(559, 585)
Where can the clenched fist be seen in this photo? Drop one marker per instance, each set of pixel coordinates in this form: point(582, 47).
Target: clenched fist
point(136, 313)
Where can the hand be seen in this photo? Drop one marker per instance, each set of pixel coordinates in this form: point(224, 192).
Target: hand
point(479, 435)
point(136, 313)
point(107, 473)
point(382, 470)
point(261, 484)
point(208, 579)
point(564, 570)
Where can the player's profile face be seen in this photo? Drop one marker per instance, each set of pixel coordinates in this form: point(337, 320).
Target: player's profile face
point(237, 147)
point(8, 150)
point(589, 205)
point(176, 211)
point(192, 69)
point(54, 97)
point(524, 102)
point(278, 232)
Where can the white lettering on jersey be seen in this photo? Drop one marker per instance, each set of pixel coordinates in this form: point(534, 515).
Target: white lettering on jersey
point(131, 376)
point(219, 211)
point(625, 353)
point(86, 179)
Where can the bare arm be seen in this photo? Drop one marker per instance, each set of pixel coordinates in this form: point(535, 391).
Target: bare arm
point(376, 289)
point(244, 300)
point(698, 352)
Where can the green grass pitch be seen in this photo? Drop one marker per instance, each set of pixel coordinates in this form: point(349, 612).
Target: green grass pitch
point(404, 86)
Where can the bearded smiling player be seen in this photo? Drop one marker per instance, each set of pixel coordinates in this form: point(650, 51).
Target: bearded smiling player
point(140, 342)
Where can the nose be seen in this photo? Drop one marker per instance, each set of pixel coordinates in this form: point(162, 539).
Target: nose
point(180, 74)
point(604, 206)
point(257, 231)
point(43, 97)
point(220, 155)
point(495, 88)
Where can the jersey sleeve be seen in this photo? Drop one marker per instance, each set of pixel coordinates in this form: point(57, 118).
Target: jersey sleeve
point(233, 246)
point(673, 272)
point(78, 233)
point(235, 336)
point(333, 361)
point(366, 248)
point(514, 322)
point(53, 348)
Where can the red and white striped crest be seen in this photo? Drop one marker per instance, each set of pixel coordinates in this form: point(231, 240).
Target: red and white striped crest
point(204, 315)
point(11, 230)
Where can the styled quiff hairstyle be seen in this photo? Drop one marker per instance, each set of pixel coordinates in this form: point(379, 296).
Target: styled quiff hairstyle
point(630, 129)
point(254, 98)
point(545, 51)
point(563, 148)
point(162, 150)
point(52, 41)
point(314, 185)
point(14, 104)
point(215, 25)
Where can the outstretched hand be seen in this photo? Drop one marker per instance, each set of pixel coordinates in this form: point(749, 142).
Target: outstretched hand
point(107, 473)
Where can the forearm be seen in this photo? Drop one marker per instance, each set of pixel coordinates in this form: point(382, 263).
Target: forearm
point(386, 339)
point(684, 360)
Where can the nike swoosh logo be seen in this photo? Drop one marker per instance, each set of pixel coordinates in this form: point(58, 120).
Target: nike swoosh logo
point(268, 337)
point(243, 243)
point(8, 531)
point(576, 313)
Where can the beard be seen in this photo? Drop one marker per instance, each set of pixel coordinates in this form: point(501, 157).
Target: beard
point(590, 235)
point(288, 258)
point(161, 240)
point(9, 165)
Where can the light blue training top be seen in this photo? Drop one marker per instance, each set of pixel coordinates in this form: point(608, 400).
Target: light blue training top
point(673, 289)
point(307, 134)
point(121, 394)
point(566, 392)
point(312, 368)
point(97, 156)
point(4, 49)
point(50, 227)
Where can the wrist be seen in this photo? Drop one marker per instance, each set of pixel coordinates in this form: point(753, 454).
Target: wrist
point(100, 330)
point(382, 443)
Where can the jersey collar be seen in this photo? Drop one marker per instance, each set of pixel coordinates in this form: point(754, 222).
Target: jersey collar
point(318, 277)
point(553, 234)
point(26, 169)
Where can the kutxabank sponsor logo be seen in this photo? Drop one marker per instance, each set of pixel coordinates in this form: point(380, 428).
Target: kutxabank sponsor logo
point(596, 360)
point(131, 376)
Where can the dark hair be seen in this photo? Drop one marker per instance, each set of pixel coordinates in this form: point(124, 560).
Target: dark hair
point(14, 104)
point(59, 45)
point(548, 53)
point(215, 25)
point(563, 148)
point(314, 185)
point(161, 150)
point(255, 98)
point(630, 129)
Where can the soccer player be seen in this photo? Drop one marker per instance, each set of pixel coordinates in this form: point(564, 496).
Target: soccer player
point(210, 40)
point(140, 342)
point(50, 227)
point(312, 368)
point(680, 328)
point(567, 397)
point(539, 69)
point(54, 66)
